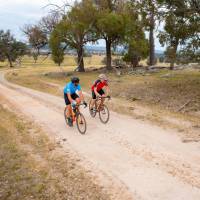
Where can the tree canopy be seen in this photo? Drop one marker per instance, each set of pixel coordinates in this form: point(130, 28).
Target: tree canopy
point(77, 29)
point(36, 38)
point(182, 28)
point(122, 23)
point(10, 48)
point(112, 28)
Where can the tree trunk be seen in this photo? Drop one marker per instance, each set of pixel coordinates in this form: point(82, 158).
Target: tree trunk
point(108, 55)
point(135, 62)
point(10, 61)
point(81, 67)
point(171, 66)
point(175, 46)
point(151, 40)
point(35, 59)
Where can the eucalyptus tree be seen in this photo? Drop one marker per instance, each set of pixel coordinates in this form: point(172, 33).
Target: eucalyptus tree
point(182, 28)
point(135, 41)
point(77, 29)
point(10, 48)
point(111, 24)
point(36, 38)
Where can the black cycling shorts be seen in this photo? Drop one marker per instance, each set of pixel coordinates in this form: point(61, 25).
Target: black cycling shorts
point(101, 92)
point(73, 96)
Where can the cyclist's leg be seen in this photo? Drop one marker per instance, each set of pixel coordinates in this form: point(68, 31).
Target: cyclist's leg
point(102, 93)
point(76, 98)
point(78, 101)
point(93, 99)
point(69, 110)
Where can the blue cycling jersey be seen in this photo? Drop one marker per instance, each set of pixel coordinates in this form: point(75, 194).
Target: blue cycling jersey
point(70, 88)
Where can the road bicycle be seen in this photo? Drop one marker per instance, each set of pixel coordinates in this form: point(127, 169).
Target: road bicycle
point(77, 118)
point(101, 108)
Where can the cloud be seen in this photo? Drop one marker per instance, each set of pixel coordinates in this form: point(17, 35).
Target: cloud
point(13, 3)
point(15, 13)
point(19, 5)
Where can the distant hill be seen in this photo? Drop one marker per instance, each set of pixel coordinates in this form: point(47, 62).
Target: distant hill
point(92, 49)
point(119, 50)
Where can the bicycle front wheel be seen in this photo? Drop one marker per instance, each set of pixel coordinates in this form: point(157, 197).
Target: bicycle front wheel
point(81, 123)
point(104, 114)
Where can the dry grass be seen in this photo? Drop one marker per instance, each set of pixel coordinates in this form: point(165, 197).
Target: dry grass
point(44, 61)
point(69, 61)
point(170, 92)
point(3, 65)
point(33, 167)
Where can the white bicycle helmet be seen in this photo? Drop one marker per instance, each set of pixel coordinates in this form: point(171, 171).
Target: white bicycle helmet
point(103, 77)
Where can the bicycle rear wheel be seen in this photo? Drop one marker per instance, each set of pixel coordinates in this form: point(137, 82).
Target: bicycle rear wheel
point(81, 123)
point(104, 114)
point(65, 115)
point(92, 112)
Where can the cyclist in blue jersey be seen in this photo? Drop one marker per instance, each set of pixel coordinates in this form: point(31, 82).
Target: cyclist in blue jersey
point(73, 95)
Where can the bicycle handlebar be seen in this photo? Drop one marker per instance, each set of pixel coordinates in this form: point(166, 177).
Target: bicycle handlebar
point(107, 97)
point(81, 104)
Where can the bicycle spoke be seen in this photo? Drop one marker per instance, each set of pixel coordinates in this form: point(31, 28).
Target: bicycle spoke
point(104, 114)
point(81, 123)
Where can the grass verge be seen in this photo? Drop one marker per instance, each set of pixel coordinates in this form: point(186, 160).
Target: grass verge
point(33, 167)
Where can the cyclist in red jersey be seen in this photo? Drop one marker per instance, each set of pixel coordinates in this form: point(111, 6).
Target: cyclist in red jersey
point(100, 88)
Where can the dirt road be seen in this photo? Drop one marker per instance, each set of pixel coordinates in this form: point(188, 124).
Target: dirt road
point(131, 158)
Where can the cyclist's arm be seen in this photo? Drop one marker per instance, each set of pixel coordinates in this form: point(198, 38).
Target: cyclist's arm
point(80, 93)
point(95, 91)
point(69, 97)
point(107, 90)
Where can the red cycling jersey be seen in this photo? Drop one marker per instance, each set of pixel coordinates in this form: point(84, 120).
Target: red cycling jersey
point(99, 85)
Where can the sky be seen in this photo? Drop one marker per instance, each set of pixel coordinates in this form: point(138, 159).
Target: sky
point(14, 14)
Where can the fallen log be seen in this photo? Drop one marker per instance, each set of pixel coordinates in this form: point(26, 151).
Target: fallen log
point(184, 105)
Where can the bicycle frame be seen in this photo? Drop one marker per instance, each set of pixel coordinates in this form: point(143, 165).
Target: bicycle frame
point(76, 111)
point(99, 99)
point(100, 108)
